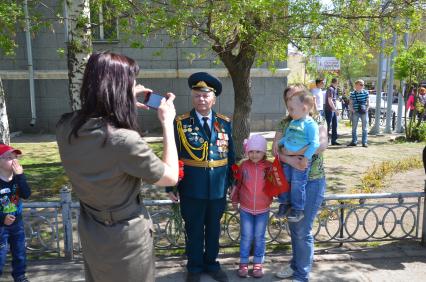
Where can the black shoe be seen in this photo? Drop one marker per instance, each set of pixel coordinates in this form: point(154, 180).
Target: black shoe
point(365, 145)
point(193, 277)
point(335, 143)
point(22, 279)
point(283, 210)
point(219, 275)
point(352, 144)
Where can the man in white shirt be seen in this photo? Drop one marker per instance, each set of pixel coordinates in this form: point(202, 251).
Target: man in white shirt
point(318, 94)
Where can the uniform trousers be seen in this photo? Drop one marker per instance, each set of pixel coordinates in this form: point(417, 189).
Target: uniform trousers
point(202, 227)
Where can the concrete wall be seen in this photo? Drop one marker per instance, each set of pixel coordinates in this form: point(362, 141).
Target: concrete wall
point(51, 91)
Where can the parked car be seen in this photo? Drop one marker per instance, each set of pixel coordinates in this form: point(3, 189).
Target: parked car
point(372, 98)
point(383, 109)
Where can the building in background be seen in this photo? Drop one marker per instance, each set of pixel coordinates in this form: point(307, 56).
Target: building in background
point(164, 67)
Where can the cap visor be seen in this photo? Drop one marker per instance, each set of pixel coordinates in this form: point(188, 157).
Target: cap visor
point(203, 89)
point(16, 151)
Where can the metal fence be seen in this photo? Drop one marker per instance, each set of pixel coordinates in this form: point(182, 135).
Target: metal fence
point(51, 227)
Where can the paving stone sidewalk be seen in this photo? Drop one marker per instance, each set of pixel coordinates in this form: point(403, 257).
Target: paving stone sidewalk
point(393, 262)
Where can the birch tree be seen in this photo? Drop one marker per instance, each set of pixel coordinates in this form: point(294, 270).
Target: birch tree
point(79, 47)
point(4, 122)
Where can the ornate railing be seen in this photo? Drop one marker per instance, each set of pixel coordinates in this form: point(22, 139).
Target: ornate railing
point(51, 227)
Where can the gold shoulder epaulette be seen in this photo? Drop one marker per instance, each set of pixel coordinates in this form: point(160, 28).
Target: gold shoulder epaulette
point(183, 116)
point(223, 117)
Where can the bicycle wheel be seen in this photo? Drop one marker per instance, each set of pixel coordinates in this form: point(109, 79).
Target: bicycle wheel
point(175, 231)
point(39, 233)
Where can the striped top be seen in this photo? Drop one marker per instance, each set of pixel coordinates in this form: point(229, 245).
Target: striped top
point(359, 98)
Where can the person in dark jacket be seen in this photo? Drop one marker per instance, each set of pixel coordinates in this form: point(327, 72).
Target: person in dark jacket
point(331, 111)
point(205, 146)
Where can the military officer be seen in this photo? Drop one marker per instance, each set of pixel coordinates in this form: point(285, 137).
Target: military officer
point(204, 142)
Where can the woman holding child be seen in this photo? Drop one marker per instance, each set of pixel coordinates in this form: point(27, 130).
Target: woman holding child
point(302, 240)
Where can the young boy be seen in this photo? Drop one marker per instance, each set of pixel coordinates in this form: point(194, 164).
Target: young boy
point(13, 186)
point(300, 138)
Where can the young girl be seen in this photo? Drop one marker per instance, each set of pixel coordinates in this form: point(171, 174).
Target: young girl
point(254, 205)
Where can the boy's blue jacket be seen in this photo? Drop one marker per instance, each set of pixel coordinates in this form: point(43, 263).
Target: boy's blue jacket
point(10, 196)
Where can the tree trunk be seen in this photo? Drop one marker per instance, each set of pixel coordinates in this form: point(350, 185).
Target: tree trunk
point(4, 123)
point(79, 47)
point(242, 109)
point(239, 69)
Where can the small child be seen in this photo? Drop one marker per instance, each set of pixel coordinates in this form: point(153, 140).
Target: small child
point(300, 138)
point(254, 205)
point(13, 186)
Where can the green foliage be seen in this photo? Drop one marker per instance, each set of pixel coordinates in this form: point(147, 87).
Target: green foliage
point(11, 15)
point(418, 132)
point(12, 21)
point(262, 28)
point(410, 65)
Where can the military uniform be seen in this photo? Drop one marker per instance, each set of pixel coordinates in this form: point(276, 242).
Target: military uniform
point(207, 176)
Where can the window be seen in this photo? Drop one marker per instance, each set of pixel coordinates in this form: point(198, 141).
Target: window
point(104, 24)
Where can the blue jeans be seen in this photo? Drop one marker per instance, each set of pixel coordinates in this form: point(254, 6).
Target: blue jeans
point(14, 236)
point(297, 179)
point(355, 118)
point(302, 241)
point(253, 228)
point(331, 119)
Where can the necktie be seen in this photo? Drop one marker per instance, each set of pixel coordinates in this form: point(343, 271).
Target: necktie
point(207, 127)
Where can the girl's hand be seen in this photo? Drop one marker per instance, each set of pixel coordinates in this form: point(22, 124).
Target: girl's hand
point(166, 110)
point(141, 90)
point(9, 219)
point(16, 167)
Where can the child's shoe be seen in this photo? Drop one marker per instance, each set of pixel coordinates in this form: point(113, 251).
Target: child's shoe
point(257, 270)
point(283, 210)
point(295, 215)
point(243, 270)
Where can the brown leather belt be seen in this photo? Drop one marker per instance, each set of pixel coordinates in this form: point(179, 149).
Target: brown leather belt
point(110, 217)
point(205, 164)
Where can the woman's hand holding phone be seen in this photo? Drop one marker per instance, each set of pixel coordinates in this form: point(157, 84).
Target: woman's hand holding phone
point(166, 110)
point(139, 90)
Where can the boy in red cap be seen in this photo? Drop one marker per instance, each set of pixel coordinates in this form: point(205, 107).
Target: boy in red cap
point(13, 186)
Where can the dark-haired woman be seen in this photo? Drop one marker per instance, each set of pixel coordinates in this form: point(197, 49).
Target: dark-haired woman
point(106, 161)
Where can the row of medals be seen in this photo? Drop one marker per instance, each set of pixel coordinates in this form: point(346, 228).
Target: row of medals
point(221, 142)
